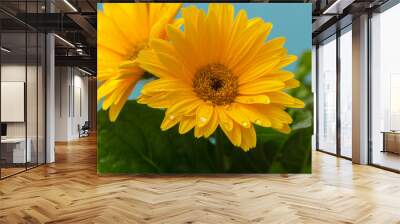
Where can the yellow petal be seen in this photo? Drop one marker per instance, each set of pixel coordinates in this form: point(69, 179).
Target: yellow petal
point(224, 119)
point(212, 125)
point(279, 75)
point(203, 114)
point(198, 131)
point(158, 28)
point(250, 99)
point(275, 112)
point(274, 44)
point(115, 109)
point(161, 85)
point(255, 72)
point(292, 83)
point(237, 115)
point(169, 122)
point(149, 61)
point(249, 138)
point(285, 99)
point(287, 61)
point(175, 66)
point(183, 107)
point(159, 100)
point(186, 124)
point(250, 47)
point(297, 104)
point(106, 88)
point(256, 115)
point(285, 129)
point(182, 47)
point(260, 87)
point(234, 135)
point(166, 48)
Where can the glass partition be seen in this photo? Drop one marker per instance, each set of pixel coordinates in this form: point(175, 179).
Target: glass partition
point(13, 94)
point(346, 92)
point(31, 99)
point(327, 95)
point(41, 96)
point(22, 89)
point(385, 89)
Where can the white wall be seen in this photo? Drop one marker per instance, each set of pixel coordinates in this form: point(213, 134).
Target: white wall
point(33, 127)
point(62, 81)
point(16, 73)
point(80, 110)
point(71, 94)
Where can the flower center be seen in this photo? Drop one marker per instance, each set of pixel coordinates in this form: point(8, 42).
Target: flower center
point(215, 83)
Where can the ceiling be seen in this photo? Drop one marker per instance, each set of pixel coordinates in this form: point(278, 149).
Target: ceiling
point(72, 20)
point(330, 15)
point(75, 21)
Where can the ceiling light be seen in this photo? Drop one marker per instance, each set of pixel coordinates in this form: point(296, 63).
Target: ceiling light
point(70, 5)
point(337, 7)
point(65, 41)
point(333, 6)
point(5, 50)
point(84, 71)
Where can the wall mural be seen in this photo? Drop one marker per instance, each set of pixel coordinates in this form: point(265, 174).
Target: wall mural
point(204, 88)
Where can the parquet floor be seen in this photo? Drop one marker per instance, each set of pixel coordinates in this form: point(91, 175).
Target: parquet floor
point(70, 191)
point(10, 171)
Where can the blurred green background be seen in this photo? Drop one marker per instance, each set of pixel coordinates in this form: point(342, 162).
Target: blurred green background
point(135, 143)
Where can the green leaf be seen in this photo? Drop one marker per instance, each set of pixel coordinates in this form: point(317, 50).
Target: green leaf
point(135, 144)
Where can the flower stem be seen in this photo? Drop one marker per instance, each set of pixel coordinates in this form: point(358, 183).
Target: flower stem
point(219, 150)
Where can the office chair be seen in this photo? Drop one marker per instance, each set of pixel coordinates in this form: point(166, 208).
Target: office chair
point(84, 130)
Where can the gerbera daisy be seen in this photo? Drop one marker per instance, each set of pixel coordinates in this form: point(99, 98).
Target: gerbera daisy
point(123, 31)
point(220, 71)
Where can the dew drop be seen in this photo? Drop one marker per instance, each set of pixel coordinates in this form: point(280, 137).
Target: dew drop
point(171, 117)
point(203, 119)
point(245, 124)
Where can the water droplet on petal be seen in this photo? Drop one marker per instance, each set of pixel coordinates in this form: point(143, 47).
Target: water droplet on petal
point(171, 117)
point(203, 119)
point(245, 124)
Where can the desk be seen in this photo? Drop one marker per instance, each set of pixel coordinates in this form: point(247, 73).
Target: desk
point(391, 141)
point(15, 148)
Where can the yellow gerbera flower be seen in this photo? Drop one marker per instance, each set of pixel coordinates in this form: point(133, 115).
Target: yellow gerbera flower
point(123, 31)
point(219, 71)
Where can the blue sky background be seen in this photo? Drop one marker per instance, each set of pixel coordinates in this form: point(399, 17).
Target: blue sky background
point(291, 20)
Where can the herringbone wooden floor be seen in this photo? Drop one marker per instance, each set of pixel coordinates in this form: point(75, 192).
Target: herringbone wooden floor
point(70, 191)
